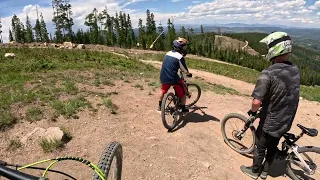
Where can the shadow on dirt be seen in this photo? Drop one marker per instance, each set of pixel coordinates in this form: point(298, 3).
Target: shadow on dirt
point(278, 169)
point(193, 117)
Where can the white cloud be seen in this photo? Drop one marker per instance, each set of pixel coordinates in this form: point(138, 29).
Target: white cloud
point(249, 11)
point(315, 6)
point(196, 2)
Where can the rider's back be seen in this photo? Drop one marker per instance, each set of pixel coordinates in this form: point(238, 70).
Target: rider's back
point(170, 67)
point(281, 101)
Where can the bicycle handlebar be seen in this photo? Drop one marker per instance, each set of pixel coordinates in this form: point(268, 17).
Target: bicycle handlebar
point(16, 175)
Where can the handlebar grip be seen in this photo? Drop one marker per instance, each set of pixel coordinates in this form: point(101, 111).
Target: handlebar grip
point(15, 175)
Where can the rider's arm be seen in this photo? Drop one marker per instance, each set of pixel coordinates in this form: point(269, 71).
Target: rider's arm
point(183, 66)
point(261, 89)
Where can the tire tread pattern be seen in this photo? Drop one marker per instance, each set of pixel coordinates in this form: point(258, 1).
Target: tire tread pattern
point(113, 149)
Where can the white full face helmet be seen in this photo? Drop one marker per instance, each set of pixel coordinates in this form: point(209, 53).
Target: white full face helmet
point(278, 43)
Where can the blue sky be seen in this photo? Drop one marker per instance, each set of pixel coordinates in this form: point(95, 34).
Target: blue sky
point(300, 13)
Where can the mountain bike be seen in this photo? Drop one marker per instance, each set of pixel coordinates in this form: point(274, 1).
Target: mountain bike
point(175, 111)
point(299, 165)
point(112, 153)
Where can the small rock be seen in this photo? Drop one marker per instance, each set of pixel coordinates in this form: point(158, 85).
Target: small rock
point(80, 46)
point(301, 98)
point(53, 133)
point(153, 145)
point(151, 137)
point(12, 55)
point(317, 114)
point(207, 165)
point(68, 45)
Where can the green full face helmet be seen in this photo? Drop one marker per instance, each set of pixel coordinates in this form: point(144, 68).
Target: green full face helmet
point(278, 43)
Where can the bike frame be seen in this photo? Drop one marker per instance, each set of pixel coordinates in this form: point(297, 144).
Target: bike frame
point(289, 144)
point(17, 175)
point(294, 149)
point(185, 83)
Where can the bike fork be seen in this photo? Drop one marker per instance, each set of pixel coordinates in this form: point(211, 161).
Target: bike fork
point(305, 165)
point(247, 125)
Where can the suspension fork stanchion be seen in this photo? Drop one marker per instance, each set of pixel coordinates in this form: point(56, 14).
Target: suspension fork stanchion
point(246, 127)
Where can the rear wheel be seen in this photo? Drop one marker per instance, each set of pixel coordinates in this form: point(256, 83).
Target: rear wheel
point(295, 168)
point(231, 125)
point(110, 162)
point(169, 111)
point(193, 95)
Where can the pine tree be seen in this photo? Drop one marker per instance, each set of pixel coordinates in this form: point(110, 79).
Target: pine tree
point(37, 30)
point(10, 35)
point(114, 37)
point(110, 34)
point(92, 22)
point(1, 40)
point(57, 19)
point(160, 43)
point(141, 38)
point(107, 24)
point(183, 32)
point(29, 33)
point(148, 28)
point(171, 34)
point(117, 28)
point(79, 37)
point(151, 28)
point(62, 19)
point(68, 20)
point(121, 31)
point(17, 29)
point(130, 34)
point(43, 30)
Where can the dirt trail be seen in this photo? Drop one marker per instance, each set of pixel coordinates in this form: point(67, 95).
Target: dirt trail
point(195, 151)
point(240, 86)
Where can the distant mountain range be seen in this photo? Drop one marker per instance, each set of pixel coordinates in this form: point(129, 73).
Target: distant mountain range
point(304, 33)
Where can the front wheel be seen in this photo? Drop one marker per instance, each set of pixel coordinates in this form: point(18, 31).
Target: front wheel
point(110, 162)
point(231, 125)
point(295, 167)
point(193, 95)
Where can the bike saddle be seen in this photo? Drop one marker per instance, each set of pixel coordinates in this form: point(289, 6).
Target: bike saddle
point(308, 131)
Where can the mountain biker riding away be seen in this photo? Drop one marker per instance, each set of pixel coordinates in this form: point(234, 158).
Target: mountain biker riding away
point(172, 62)
point(277, 92)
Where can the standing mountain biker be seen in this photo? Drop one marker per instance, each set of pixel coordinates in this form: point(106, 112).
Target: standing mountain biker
point(172, 62)
point(277, 92)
